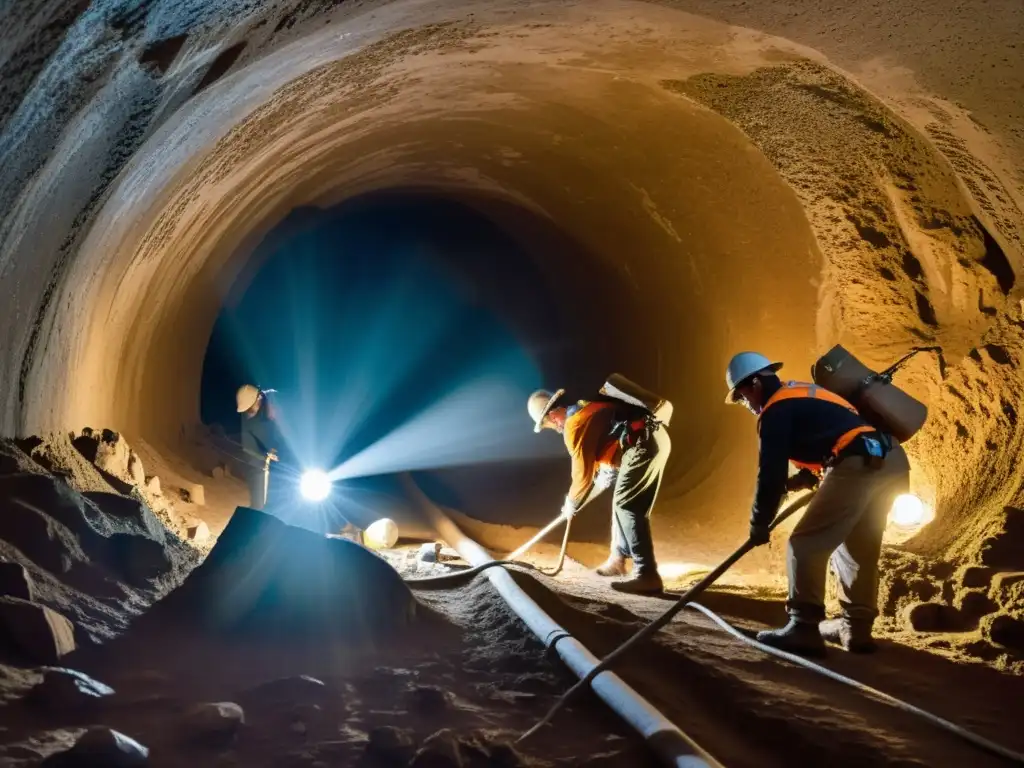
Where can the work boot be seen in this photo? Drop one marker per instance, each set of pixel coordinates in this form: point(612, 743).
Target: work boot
point(647, 582)
point(615, 565)
point(797, 637)
point(851, 634)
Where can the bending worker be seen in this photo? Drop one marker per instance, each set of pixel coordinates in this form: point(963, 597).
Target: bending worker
point(260, 440)
point(861, 471)
point(613, 443)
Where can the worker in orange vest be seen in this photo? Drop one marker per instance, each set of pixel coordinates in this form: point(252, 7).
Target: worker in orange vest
point(861, 471)
point(611, 443)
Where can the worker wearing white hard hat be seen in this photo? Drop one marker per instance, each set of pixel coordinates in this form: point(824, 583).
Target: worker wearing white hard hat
point(612, 443)
point(860, 471)
point(261, 439)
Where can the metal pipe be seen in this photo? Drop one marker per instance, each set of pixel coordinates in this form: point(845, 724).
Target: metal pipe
point(666, 740)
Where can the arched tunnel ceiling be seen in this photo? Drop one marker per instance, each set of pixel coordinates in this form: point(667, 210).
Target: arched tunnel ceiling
point(729, 189)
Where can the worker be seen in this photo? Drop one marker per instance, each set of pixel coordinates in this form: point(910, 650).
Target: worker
point(860, 471)
point(610, 443)
point(261, 439)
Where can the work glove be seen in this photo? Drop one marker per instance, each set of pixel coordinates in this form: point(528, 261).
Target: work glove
point(802, 479)
point(569, 509)
point(605, 478)
point(759, 534)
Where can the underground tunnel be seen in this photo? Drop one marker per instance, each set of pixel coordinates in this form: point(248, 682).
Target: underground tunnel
point(407, 216)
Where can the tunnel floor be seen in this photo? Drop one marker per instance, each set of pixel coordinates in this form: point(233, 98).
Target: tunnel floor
point(466, 675)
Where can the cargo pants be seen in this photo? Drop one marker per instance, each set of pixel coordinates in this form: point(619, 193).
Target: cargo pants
point(636, 490)
point(843, 527)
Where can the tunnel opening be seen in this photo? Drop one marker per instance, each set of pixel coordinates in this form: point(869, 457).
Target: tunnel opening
point(402, 331)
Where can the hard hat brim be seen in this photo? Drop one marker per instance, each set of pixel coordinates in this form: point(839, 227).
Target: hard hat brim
point(730, 398)
point(240, 409)
point(539, 424)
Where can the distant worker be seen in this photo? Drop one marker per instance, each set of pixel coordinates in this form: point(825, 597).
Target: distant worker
point(860, 470)
point(261, 438)
point(613, 442)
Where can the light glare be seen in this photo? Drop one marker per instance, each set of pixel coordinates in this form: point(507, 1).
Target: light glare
point(315, 485)
point(908, 511)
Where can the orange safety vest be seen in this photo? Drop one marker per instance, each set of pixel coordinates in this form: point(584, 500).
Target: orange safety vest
point(794, 389)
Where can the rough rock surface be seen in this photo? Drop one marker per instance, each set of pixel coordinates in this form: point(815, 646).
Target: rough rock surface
point(35, 631)
point(15, 581)
point(101, 746)
point(66, 690)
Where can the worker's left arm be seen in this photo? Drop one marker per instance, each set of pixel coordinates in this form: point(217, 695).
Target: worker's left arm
point(773, 465)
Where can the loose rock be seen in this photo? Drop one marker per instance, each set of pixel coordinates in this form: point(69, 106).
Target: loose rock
point(430, 552)
point(37, 632)
point(214, 720)
point(101, 747)
point(441, 750)
point(198, 532)
point(153, 485)
point(15, 581)
point(65, 690)
point(194, 493)
point(427, 699)
point(390, 744)
point(976, 576)
point(1005, 631)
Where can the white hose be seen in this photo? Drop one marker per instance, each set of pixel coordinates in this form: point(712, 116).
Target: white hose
point(973, 738)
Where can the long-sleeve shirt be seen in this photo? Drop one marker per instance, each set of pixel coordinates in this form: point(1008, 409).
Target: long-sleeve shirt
point(260, 434)
point(802, 429)
point(589, 440)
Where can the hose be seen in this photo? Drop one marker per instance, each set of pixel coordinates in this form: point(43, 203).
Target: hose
point(449, 579)
point(691, 594)
point(973, 738)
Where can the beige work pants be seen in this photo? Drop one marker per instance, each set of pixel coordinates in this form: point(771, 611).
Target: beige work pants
point(843, 525)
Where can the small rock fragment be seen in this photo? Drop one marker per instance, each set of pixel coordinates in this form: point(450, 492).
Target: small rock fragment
point(100, 746)
point(1008, 589)
point(932, 617)
point(15, 581)
point(194, 493)
point(430, 552)
point(153, 485)
point(39, 633)
point(974, 603)
point(298, 727)
point(218, 472)
point(1005, 631)
point(390, 744)
point(65, 690)
point(198, 532)
point(440, 750)
point(136, 474)
point(976, 576)
point(214, 720)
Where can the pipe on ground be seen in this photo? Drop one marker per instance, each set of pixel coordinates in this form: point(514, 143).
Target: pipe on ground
point(669, 743)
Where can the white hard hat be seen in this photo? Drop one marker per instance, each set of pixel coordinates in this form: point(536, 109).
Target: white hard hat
point(742, 367)
point(246, 397)
point(381, 534)
point(540, 404)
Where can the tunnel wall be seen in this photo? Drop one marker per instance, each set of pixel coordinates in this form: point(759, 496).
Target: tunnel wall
point(668, 149)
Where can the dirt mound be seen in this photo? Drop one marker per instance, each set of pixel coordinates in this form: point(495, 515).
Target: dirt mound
point(267, 578)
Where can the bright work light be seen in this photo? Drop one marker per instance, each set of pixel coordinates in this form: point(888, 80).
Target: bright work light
point(315, 485)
